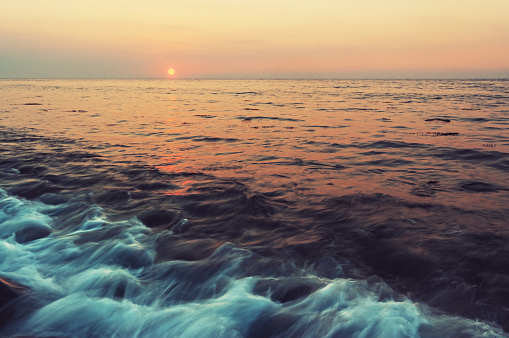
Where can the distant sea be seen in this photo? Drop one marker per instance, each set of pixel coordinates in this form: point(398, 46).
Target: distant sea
point(254, 208)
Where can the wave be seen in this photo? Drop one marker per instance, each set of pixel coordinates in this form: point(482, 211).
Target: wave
point(195, 219)
point(100, 278)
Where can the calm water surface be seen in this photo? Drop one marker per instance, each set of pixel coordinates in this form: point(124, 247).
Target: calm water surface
point(254, 208)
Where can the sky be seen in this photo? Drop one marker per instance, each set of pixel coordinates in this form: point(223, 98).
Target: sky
point(254, 39)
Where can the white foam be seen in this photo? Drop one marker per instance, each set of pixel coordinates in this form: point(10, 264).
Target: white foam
point(17, 216)
point(229, 315)
point(89, 284)
point(352, 308)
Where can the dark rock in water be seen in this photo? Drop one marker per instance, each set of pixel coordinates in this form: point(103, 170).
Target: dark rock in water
point(160, 218)
point(76, 111)
point(447, 134)
point(120, 291)
point(443, 134)
point(10, 293)
point(32, 169)
point(10, 290)
point(204, 115)
point(299, 291)
point(478, 186)
point(288, 289)
point(438, 119)
point(32, 104)
point(31, 233)
point(180, 226)
point(53, 199)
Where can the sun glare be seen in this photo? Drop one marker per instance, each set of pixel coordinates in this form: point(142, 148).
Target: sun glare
point(171, 71)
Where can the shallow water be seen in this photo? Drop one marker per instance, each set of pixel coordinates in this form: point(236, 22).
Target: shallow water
point(254, 208)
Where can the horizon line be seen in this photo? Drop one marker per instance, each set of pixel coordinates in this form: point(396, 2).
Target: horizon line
point(263, 78)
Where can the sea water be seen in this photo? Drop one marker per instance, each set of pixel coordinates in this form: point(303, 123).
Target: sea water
point(254, 208)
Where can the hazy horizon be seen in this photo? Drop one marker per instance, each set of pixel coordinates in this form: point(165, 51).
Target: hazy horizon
point(268, 78)
point(320, 39)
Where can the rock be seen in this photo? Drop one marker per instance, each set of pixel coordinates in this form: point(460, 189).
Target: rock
point(438, 119)
point(10, 293)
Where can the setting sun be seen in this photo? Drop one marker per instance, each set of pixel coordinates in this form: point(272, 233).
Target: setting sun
point(171, 71)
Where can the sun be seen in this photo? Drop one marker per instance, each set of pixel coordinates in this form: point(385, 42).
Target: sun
point(171, 71)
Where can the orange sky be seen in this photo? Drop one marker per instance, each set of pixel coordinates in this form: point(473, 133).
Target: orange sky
point(263, 38)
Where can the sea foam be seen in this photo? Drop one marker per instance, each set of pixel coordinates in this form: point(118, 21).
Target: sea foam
point(85, 284)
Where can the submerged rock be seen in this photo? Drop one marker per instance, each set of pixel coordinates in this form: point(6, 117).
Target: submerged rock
point(160, 218)
point(438, 119)
point(479, 186)
point(10, 293)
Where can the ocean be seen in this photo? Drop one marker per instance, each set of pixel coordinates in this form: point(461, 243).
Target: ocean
point(254, 208)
